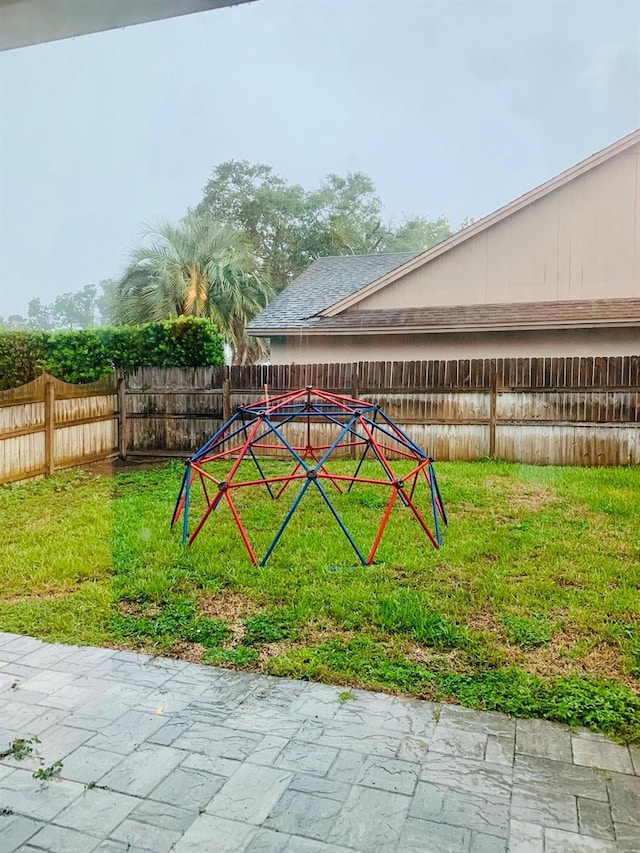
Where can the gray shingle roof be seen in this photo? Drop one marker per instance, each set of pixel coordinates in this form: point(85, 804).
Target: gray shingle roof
point(325, 282)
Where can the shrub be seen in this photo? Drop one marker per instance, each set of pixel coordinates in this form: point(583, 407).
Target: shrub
point(89, 354)
point(19, 356)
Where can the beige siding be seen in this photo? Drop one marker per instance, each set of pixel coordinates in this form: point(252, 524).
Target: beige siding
point(582, 241)
point(348, 348)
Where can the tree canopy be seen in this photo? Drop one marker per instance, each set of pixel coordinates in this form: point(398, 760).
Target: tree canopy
point(91, 306)
point(196, 268)
point(290, 226)
point(251, 234)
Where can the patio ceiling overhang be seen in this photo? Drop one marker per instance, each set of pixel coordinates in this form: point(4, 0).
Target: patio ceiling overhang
point(26, 22)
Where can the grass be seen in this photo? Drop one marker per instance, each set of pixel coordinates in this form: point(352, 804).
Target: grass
point(531, 607)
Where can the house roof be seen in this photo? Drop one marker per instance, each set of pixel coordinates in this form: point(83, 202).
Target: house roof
point(597, 159)
point(325, 282)
point(499, 316)
point(330, 286)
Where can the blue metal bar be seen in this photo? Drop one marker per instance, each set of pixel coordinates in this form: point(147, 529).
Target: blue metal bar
point(335, 514)
point(383, 461)
point(253, 456)
point(402, 433)
point(185, 523)
point(344, 432)
point(291, 449)
point(335, 421)
point(174, 517)
point(205, 447)
point(436, 515)
point(435, 480)
point(286, 521)
point(359, 466)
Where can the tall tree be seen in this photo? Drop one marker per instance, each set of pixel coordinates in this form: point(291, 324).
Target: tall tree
point(290, 226)
point(417, 234)
point(196, 268)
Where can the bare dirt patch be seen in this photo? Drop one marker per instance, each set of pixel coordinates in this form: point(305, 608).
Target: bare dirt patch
point(603, 660)
point(185, 650)
point(38, 596)
point(227, 605)
point(133, 608)
point(522, 495)
point(454, 659)
point(233, 608)
point(484, 620)
point(275, 650)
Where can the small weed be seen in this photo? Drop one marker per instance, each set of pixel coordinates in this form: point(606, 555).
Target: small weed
point(46, 773)
point(603, 774)
point(526, 631)
point(14, 686)
point(176, 621)
point(346, 696)
point(20, 748)
point(268, 628)
point(6, 812)
point(209, 632)
point(90, 786)
point(236, 657)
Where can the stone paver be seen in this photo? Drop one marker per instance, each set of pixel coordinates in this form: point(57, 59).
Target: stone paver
point(160, 755)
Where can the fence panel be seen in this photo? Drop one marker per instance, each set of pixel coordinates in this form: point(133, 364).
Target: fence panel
point(571, 411)
point(48, 424)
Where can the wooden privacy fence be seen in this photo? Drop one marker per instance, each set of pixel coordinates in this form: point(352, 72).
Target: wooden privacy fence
point(553, 411)
point(48, 424)
point(561, 411)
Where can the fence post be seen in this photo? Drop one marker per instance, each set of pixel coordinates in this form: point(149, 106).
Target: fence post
point(493, 407)
point(355, 393)
point(226, 399)
point(122, 416)
point(49, 427)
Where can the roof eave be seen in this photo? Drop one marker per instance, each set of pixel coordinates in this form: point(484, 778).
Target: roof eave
point(422, 329)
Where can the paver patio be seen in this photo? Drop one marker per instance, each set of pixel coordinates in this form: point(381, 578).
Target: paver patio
point(162, 755)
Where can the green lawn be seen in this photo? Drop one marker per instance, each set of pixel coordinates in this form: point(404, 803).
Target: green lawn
point(531, 607)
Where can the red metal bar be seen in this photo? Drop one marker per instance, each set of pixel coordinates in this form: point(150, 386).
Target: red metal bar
point(288, 478)
point(205, 474)
point(327, 473)
point(287, 481)
point(214, 503)
point(244, 449)
point(420, 519)
point(245, 538)
point(335, 401)
point(295, 395)
point(399, 452)
point(424, 464)
point(204, 489)
point(383, 524)
point(217, 456)
point(381, 459)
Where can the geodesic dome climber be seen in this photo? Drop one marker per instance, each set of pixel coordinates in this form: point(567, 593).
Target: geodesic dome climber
point(286, 425)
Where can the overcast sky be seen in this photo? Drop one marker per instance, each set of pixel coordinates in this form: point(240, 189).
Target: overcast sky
point(451, 106)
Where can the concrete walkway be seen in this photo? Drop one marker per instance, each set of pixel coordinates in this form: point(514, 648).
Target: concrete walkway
point(162, 755)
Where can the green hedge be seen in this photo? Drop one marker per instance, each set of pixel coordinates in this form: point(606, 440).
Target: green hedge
point(89, 354)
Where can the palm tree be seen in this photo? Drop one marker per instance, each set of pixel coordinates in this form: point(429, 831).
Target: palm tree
point(196, 268)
